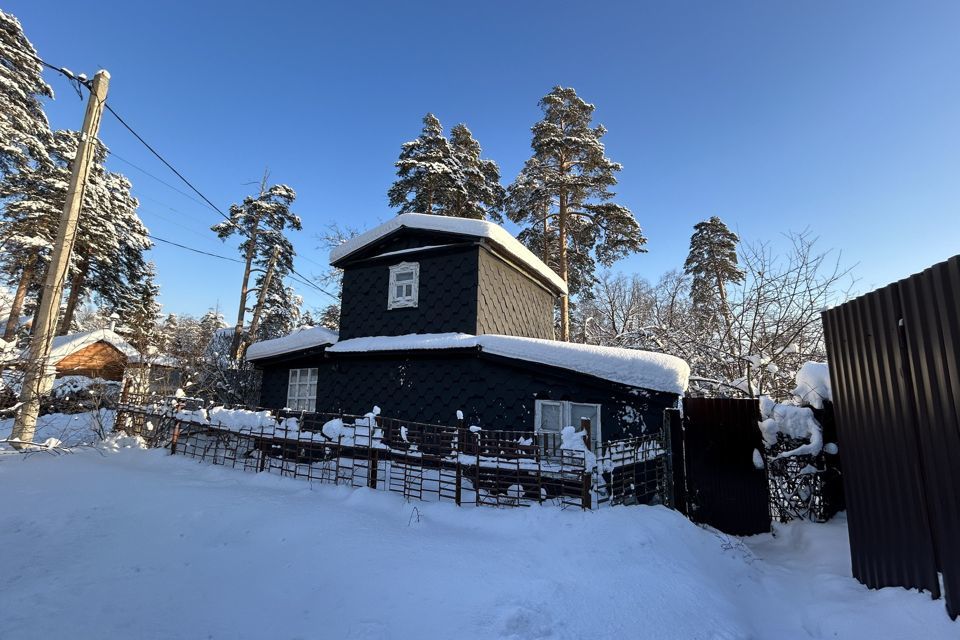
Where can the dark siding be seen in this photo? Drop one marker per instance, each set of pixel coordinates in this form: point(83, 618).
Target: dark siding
point(447, 296)
point(510, 303)
point(493, 392)
point(895, 369)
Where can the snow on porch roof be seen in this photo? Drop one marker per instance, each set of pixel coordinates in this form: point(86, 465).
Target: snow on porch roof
point(302, 338)
point(655, 371)
point(466, 226)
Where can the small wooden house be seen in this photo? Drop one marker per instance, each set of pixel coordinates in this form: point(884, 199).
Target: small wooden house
point(104, 354)
point(95, 354)
point(441, 315)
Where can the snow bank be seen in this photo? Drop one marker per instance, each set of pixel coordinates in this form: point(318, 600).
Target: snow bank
point(71, 430)
point(632, 367)
point(465, 226)
point(302, 338)
point(813, 384)
point(145, 522)
point(793, 422)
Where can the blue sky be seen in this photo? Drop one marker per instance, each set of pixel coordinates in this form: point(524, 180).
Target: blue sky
point(839, 116)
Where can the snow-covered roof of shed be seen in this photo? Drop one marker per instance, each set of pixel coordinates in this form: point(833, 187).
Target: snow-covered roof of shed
point(448, 224)
point(302, 338)
point(632, 367)
point(63, 346)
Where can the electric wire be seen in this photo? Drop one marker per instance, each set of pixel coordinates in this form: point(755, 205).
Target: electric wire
point(83, 81)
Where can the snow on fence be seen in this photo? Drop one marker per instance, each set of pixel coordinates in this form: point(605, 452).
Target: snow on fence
point(463, 464)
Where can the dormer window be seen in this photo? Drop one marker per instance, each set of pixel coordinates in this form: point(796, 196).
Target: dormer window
point(404, 285)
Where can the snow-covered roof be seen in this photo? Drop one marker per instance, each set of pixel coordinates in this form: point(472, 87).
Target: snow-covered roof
point(656, 371)
point(465, 226)
point(302, 338)
point(63, 346)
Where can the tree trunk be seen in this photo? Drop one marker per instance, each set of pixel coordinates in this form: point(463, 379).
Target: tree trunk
point(562, 259)
point(16, 306)
point(76, 287)
point(261, 299)
point(725, 310)
point(244, 287)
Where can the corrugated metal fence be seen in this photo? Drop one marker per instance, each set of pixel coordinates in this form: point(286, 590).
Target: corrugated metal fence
point(894, 356)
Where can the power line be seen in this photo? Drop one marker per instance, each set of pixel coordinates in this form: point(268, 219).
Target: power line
point(183, 246)
point(148, 174)
point(83, 81)
point(302, 278)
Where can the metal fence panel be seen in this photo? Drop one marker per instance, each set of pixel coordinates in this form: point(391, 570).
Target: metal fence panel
point(894, 368)
point(725, 489)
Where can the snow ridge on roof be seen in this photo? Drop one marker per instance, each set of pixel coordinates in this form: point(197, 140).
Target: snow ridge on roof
point(632, 367)
point(449, 224)
point(63, 346)
point(303, 338)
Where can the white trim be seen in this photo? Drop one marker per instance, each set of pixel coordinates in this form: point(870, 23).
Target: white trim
point(298, 401)
point(567, 418)
point(395, 301)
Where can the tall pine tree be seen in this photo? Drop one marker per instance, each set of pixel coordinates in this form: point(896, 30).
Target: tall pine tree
point(446, 176)
point(425, 174)
point(712, 263)
point(110, 242)
point(263, 221)
point(24, 130)
point(479, 193)
point(140, 312)
point(563, 197)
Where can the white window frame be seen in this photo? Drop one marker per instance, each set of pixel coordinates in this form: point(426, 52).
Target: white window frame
point(566, 417)
point(302, 401)
point(400, 302)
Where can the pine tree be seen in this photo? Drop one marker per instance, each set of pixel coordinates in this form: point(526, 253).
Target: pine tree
point(426, 175)
point(563, 197)
point(712, 263)
point(446, 177)
point(24, 130)
point(111, 238)
point(140, 312)
point(330, 317)
point(480, 194)
point(263, 221)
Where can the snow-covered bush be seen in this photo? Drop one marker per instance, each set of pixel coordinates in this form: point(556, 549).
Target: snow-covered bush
point(803, 471)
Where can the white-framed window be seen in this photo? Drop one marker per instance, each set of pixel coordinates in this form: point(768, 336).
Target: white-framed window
point(404, 285)
point(302, 390)
point(551, 416)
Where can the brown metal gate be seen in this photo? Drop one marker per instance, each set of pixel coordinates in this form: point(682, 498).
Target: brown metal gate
point(894, 356)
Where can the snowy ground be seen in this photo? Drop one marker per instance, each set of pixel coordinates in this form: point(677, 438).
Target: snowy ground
point(72, 430)
point(121, 542)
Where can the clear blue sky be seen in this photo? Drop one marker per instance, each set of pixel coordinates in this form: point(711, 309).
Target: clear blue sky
point(841, 116)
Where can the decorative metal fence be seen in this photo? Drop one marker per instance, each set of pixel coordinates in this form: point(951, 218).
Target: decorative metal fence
point(462, 464)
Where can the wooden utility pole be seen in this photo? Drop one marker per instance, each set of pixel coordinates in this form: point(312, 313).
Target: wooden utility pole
point(38, 379)
point(261, 299)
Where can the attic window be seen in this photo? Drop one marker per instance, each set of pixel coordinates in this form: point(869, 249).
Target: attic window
point(404, 285)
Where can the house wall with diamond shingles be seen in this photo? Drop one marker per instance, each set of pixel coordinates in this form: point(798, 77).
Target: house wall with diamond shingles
point(447, 299)
point(492, 392)
point(509, 303)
